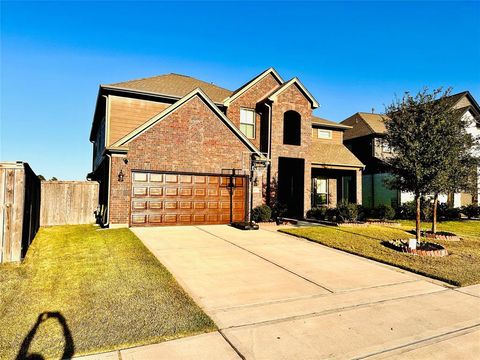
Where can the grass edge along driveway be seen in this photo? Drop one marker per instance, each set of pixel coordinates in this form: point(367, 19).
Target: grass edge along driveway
point(460, 268)
point(83, 290)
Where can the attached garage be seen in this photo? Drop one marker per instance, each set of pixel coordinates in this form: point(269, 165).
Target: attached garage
point(170, 198)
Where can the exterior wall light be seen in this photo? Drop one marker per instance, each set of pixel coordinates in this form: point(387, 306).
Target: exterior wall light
point(121, 175)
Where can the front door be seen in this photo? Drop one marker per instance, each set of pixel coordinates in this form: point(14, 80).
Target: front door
point(291, 183)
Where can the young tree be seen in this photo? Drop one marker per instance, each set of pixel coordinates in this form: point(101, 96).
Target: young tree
point(415, 134)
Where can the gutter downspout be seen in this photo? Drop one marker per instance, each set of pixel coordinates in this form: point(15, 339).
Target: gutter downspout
point(269, 151)
point(107, 123)
point(109, 156)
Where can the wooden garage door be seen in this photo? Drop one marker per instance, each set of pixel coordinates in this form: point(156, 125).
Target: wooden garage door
point(185, 199)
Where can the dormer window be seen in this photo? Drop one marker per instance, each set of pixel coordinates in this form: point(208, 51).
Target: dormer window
point(247, 123)
point(324, 134)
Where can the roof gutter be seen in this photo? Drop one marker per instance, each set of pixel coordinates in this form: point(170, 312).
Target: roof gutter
point(151, 93)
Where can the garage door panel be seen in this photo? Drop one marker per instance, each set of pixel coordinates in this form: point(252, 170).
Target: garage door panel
point(156, 177)
point(155, 205)
point(183, 199)
point(156, 191)
point(155, 219)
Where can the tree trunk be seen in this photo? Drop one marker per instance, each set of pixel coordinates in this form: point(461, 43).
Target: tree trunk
point(417, 219)
point(434, 214)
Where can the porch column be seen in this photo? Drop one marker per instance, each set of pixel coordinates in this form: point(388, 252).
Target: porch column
point(359, 186)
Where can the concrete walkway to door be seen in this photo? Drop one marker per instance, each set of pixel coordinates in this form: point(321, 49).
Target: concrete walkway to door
point(274, 296)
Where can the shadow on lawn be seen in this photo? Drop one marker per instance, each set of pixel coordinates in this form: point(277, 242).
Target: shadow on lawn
point(68, 349)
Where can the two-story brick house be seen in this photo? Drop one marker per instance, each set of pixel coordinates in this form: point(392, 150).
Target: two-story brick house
point(172, 149)
point(365, 138)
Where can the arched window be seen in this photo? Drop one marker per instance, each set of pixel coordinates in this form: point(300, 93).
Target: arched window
point(291, 128)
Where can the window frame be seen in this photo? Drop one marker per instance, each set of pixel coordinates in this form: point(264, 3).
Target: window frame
point(316, 192)
point(330, 134)
point(242, 109)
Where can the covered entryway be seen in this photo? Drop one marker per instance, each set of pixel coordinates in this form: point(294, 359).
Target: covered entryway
point(167, 198)
point(291, 174)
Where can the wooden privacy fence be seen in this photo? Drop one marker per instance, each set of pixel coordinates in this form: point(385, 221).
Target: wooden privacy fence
point(68, 202)
point(20, 205)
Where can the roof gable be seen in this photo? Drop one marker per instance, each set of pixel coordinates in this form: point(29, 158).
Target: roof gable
point(244, 88)
point(320, 122)
point(172, 85)
point(364, 124)
point(160, 116)
point(295, 81)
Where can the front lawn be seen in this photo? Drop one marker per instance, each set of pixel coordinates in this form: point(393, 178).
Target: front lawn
point(461, 267)
point(83, 290)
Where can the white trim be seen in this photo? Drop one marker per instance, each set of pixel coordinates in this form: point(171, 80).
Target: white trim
point(254, 121)
point(271, 70)
point(296, 81)
point(330, 134)
point(197, 92)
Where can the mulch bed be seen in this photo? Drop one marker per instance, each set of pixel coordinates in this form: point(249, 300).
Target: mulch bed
point(441, 235)
point(423, 248)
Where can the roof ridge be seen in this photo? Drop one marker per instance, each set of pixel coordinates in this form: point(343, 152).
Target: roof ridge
point(167, 74)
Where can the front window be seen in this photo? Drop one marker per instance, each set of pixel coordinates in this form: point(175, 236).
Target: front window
point(247, 123)
point(324, 134)
point(320, 188)
point(386, 147)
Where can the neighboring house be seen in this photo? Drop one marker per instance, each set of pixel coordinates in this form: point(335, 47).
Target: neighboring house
point(366, 140)
point(172, 149)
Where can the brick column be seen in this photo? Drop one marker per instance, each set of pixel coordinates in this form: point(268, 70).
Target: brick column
point(359, 186)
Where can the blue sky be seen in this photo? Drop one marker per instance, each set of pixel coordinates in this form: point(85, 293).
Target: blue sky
point(353, 56)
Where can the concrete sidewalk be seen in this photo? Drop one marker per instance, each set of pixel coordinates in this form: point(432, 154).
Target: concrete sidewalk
point(279, 297)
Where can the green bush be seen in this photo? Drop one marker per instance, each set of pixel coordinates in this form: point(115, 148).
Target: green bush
point(384, 212)
point(279, 210)
point(317, 213)
point(407, 211)
point(471, 211)
point(331, 214)
point(261, 213)
point(445, 212)
point(347, 212)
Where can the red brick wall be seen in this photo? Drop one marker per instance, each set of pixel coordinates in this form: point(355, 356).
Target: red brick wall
point(292, 99)
point(249, 100)
point(191, 139)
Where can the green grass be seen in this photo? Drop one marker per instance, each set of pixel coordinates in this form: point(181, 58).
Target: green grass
point(461, 267)
point(111, 291)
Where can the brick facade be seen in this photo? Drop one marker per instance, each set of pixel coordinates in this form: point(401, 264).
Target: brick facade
point(249, 99)
point(191, 139)
point(194, 139)
point(292, 99)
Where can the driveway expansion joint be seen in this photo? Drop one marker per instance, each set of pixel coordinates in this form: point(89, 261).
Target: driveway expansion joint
point(426, 341)
point(332, 311)
point(269, 261)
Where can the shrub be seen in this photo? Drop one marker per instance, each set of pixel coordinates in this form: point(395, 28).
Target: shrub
point(384, 212)
point(471, 211)
point(331, 214)
point(279, 210)
point(407, 210)
point(317, 213)
point(447, 213)
point(347, 211)
point(261, 213)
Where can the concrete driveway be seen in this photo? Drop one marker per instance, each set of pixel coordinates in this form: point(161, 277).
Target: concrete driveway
point(275, 296)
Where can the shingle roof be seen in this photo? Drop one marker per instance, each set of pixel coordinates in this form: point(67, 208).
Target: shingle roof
point(333, 154)
point(174, 85)
point(364, 124)
point(328, 123)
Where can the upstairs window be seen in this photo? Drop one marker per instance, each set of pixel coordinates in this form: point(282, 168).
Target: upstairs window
point(324, 134)
point(386, 147)
point(247, 123)
point(291, 128)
